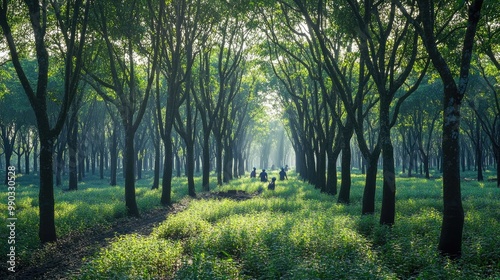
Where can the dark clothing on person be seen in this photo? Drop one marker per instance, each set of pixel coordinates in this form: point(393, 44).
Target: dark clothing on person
point(283, 175)
point(272, 184)
point(253, 174)
point(263, 176)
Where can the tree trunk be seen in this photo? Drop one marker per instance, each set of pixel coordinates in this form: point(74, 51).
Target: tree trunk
point(35, 155)
point(156, 171)
point(26, 162)
point(19, 155)
point(311, 166)
point(59, 165)
point(450, 242)
point(321, 168)
point(206, 162)
point(345, 185)
point(129, 155)
point(388, 210)
point(228, 164)
point(479, 152)
point(425, 159)
point(218, 162)
point(72, 149)
point(166, 186)
point(241, 164)
point(47, 228)
point(114, 156)
point(81, 161)
point(331, 181)
point(190, 168)
point(497, 157)
point(178, 164)
point(101, 160)
point(411, 163)
point(8, 154)
point(140, 162)
point(368, 207)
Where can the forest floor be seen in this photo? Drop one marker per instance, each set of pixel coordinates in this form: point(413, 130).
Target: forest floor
point(63, 259)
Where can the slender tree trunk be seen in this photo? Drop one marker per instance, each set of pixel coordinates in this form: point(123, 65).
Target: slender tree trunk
point(27, 162)
point(156, 179)
point(72, 149)
point(166, 186)
point(331, 182)
point(450, 242)
point(311, 166)
point(411, 162)
point(321, 168)
point(101, 160)
point(140, 162)
point(93, 160)
point(47, 228)
point(218, 162)
point(129, 154)
point(190, 168)
point(177, 164)
point(8, 155)
point(426, 166)
point(241, 164)
point(35, 156)
point(497, 157)
point(388, 211)
point(228, 164)
point(81, 161)
point(368, 207)
point(206, 161)
point(479, 152)
point(59, 165)
point(19, 155)
point(114, 156)
point(345, 185)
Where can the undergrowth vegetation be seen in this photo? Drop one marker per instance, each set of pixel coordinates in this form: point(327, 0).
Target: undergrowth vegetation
point(94, 204)
point(296, 232)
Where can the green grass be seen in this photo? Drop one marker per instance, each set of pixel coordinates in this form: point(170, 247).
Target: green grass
point(95, 204)
point(296, 232)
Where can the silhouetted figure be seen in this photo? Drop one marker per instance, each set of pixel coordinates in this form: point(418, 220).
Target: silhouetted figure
point(263, 176)
point(272, 184)
point(286, 168)
point(283, 174)
point(253, 174)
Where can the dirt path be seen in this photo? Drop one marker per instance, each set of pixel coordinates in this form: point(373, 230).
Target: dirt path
point(65, 258)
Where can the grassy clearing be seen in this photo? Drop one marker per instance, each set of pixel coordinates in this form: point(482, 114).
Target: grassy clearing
point(296, 232)
point(95, 204)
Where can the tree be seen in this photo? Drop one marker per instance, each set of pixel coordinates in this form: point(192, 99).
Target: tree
point(121, 43)
point(309, 100)
point(433, 29)
point(15, 111)
point(72, 27)
point(489, 66)
point(422, 111)
point(389, 48)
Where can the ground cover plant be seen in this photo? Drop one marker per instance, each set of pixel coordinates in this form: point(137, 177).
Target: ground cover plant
point(296, 232)
point(95, 204)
